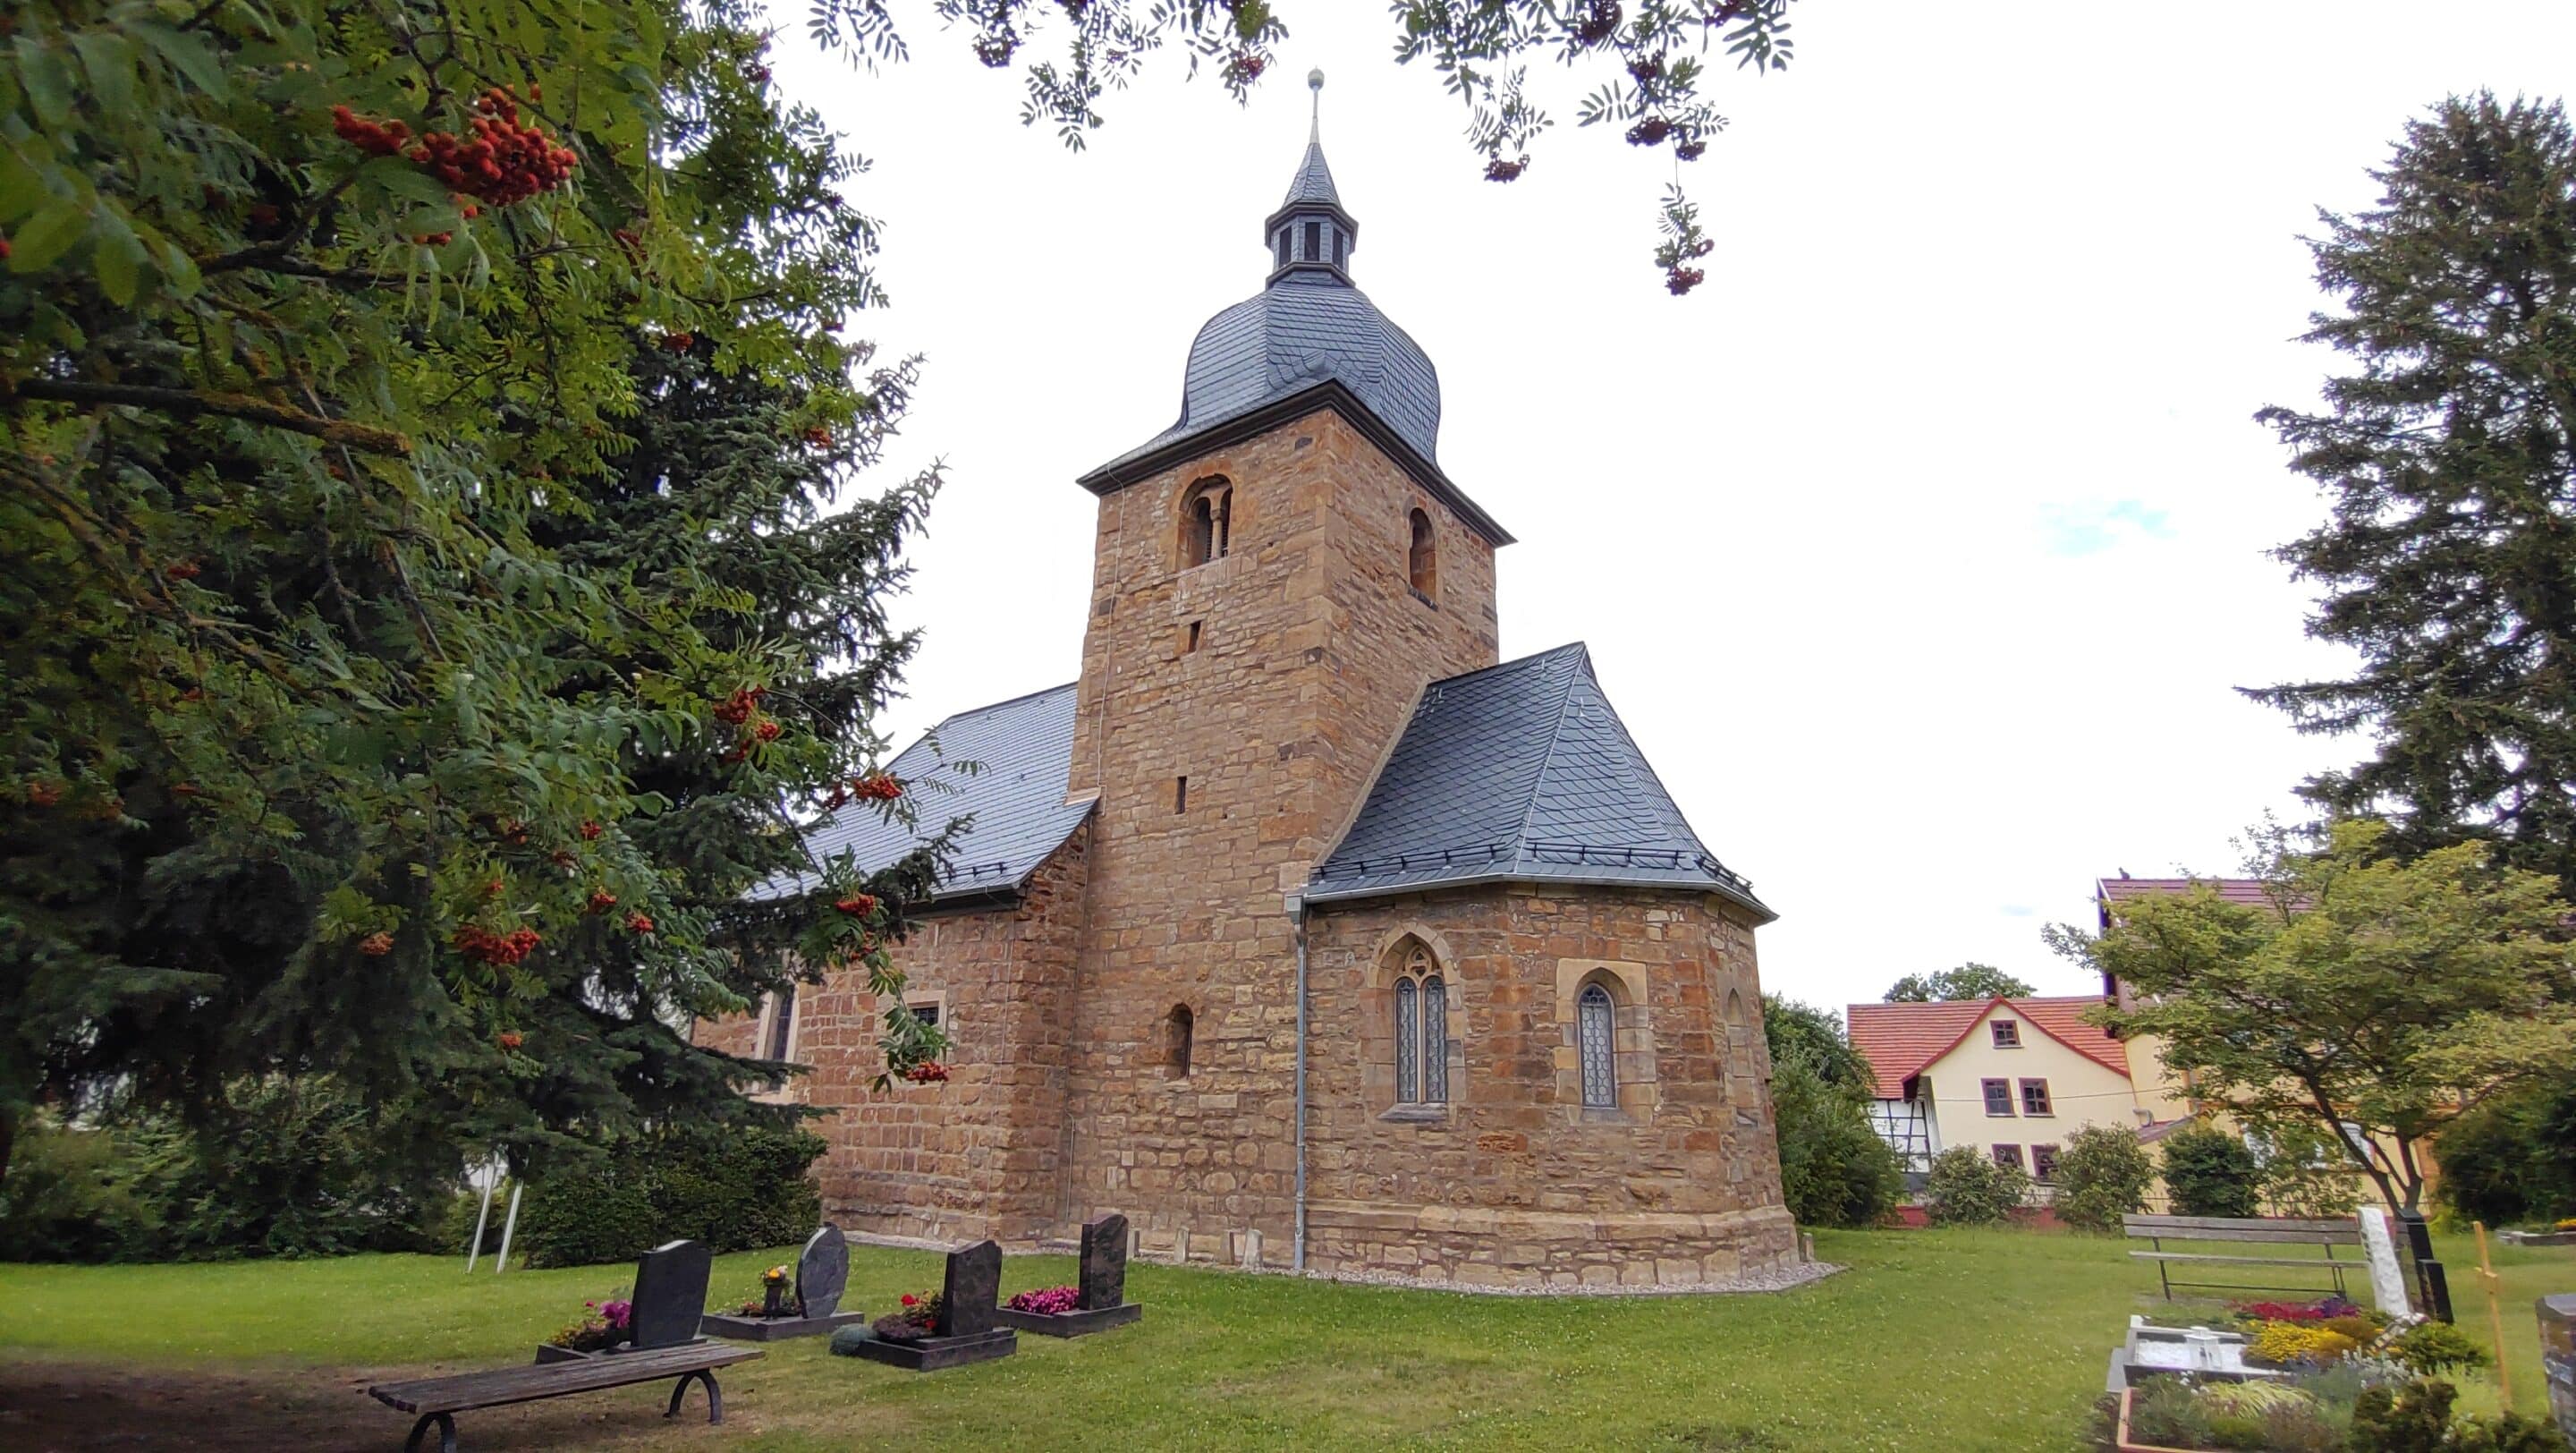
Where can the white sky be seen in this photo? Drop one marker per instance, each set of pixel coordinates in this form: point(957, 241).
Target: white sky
point(1920, 548)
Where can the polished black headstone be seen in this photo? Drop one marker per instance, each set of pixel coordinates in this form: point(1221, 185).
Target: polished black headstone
point(972, 1288)
point(822, 1273)
point(1104, 1263)
point(670, 1293)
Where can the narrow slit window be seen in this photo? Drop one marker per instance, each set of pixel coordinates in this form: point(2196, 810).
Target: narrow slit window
point(1314, 241)
point(1435, 1041)
point(1190, 638)
point(1179, 1027)
point(782, 1023)
point(1280, 248)
point(1180, 795)
point(1341, 246)
point(1408, 1032)
point(1596, 1041)
point(1422, 561)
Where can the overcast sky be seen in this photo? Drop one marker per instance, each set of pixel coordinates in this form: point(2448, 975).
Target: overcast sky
point(1921, 549)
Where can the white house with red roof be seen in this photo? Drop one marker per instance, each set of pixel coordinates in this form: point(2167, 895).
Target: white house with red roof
point(2012, 1077)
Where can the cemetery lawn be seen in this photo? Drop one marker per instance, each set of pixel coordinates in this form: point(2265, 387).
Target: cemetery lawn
point(1932, 1340)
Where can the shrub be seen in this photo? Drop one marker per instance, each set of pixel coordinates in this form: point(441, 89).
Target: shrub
point(735, 1189)
point(1834, 1169)
point(2438, 1347)
point(2512, 1159)
point(1967, 1188)
point(2287, 1342)
point(2102, 1174)
point(2210, 1173)
point(75, 1195)
point(289, 1167)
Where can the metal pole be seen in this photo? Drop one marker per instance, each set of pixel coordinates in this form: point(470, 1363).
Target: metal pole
point(2495, 1312)
point(1297, 1251)
point(474, 1250)
point(501, 1263)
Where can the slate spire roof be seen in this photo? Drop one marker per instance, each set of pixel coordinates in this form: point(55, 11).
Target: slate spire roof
point(1521, 772)
point(1307, 332)
point(1023, 753)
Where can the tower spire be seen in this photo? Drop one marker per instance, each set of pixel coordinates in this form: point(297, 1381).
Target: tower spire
point(1310, 235)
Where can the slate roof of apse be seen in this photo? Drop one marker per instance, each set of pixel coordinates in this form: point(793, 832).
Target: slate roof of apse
point(1903, 1040)
point(1521, 772)
point(1024, 749)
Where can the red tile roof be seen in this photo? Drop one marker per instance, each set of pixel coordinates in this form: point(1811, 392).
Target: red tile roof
point(2234, 890)
point(1902, 1039)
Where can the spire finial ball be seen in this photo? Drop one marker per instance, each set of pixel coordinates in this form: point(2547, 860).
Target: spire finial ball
point(1315, 79)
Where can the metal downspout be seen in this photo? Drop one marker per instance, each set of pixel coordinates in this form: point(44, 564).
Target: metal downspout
point(1297, 1254)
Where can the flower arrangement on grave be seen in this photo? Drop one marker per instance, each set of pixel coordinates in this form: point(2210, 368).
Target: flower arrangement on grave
point(911, 1321)
point(772, 1301)
point(1045, 1302)
point(2565, 1224)
point(601, 1325)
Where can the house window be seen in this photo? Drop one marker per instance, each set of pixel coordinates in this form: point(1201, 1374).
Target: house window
point(1207, 523)
point(782, 1023)
point(927, 1011)
point(1595, 1042)
point(1422, 563)
point(1998, 1097)
point(1177, 1029)
point(2007, 1033)
point(2034, 1098)
point(1421, 1032)
point(2043, 1163)
point(2008, 1155)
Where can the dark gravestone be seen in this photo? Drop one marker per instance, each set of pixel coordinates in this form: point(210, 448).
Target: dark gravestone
point(822, 1273)
point(2558, 1361)
point(972, 1288)
point(670, 1293)
point(1104, 1263)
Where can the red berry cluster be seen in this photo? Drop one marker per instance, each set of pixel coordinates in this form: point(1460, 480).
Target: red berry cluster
point(375, 138)
point(679, 342)
point(4, 249)
point(819, 438)
point(857, 905)
point(512, 1039)
point(44, 794)
point(767, 731)
point(602, 901)
point(590, 832)
point(996, 50)
point(184, 570)
point(1596, 21)
point(1646, 68)
point(736, 709)
point(1649, 132)
point(876, 787)
point(1245, 67)
point(638, 923)
point(1682, 279)
point(1691, 150)
point(928, 1072)
point(480, 943)
point(1499, 170)
point(506, 161)
point(376, 945)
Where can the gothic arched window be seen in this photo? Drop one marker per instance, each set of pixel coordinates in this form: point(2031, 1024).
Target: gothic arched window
point(1207, 522)
point(1596, 1040)
point(1421, 1031)
point(1422, 563)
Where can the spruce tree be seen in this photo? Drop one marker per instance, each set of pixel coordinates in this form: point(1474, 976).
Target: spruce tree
point(2448, 452)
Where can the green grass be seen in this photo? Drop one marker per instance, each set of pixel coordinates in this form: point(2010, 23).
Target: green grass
point(1933, 1340)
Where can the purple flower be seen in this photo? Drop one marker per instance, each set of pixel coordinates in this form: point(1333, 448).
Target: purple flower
point(1047, 1302)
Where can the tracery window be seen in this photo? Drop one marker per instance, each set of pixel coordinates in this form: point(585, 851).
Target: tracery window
point(1421, 1031)
point(1596, 1043)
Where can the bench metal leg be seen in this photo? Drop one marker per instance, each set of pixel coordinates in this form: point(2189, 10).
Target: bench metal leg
point(715, 1398)
point(446, 1433)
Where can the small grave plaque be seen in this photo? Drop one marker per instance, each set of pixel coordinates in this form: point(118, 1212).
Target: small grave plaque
point(670, 1293)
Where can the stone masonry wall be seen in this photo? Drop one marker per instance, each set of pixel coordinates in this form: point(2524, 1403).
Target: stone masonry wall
point(1513, 1182)
point(1311, 650)
point(976, 1156)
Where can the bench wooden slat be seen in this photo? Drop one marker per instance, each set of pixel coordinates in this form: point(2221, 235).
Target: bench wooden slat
point(2250, 1238)
point(2141, 1224)
point(2318, 1262)
point(467, 1391)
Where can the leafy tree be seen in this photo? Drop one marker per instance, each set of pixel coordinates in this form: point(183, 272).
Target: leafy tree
point(1967, 981)
point(1967, 1187)
point(2305, 1172)
point(2512, 1158)
point(2395, 997)
point(2449, 454)
point(2102, 1175)
point(1800, 1033)
point(2209, 1172)
point(1835, 1169)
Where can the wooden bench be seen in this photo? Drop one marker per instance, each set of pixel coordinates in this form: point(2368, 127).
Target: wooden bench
point(439, 1399)
point(2157, 1230)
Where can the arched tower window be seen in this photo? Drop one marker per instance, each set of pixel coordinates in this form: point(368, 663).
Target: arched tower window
point(1176, 1042)
point(1423, 562)
point(1596, 1044)
point(1207, 522)
point(1421, 1031)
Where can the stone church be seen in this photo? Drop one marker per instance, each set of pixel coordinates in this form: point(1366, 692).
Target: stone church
point(1300, 928)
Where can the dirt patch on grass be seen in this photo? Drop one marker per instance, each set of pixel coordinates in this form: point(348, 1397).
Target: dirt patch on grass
point(60, 1407)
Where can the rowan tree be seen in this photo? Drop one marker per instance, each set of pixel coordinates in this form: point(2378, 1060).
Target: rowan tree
point(2389, 996)
point(2448, 455)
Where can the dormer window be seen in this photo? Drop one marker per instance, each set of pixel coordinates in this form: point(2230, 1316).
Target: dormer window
point(1207, 522)
point(2007, 1033)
